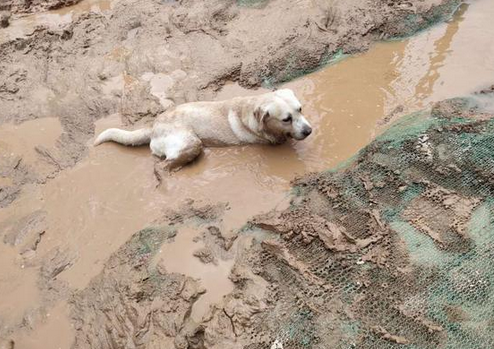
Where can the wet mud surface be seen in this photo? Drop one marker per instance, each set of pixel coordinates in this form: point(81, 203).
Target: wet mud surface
point(374, 255)
point(30, 6)
point(95, 252)
point(357, 258)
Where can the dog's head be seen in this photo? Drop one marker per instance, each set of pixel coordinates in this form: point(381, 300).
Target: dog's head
point(280, 116)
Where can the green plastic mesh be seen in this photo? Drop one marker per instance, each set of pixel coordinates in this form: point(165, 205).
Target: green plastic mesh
point(413, 265)
point(414, 23)
point(251, 3)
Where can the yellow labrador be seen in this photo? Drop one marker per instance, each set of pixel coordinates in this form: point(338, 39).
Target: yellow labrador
point(179, 134)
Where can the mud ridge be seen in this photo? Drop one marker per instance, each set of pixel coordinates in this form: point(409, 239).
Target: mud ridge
point(32, 6)
point(364, 251)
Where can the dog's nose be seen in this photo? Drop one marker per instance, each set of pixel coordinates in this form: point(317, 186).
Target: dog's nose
point(307, 131)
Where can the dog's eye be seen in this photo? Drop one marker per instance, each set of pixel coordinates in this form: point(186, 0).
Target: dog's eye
point(299, 109)
point(288, 119)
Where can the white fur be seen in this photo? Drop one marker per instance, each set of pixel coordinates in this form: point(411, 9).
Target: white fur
point(180, 133)
point(138, 137)
point(301, 123)
point(240, 130)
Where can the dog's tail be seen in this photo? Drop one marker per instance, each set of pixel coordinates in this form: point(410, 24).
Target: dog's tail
point(137, 137)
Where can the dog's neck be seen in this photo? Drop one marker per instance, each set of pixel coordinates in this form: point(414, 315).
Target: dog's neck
point(273, 138)
point(258, 129)
point(244, 129)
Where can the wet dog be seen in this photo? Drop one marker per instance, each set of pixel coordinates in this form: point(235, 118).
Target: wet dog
point(179, 134)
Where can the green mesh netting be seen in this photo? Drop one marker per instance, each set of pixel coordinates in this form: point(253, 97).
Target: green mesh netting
point(414, 23)
point(396, 250)
point(251, 3)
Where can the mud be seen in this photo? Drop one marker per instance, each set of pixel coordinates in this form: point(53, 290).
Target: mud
point(57, 330)
point(201, 276)
point(352, 261)
point(25, 6)
point(179, 257)
point(163, 291)
point(338, 253)
point(5, 19)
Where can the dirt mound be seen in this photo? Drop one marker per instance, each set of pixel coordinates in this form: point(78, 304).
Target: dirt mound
point(131, 304)
point(386, 251)
point(135, 302)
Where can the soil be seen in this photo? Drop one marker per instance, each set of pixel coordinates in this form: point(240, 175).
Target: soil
point(204, 273)
point(338, 254)
point(30, 6)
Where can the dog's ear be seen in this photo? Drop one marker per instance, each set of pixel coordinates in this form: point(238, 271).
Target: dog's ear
point(261, 115)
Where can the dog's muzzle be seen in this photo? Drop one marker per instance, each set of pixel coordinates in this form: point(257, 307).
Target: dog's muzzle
point(303, 129)
point(306, 131)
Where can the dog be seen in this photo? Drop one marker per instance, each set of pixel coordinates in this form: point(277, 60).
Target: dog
point(179, 135)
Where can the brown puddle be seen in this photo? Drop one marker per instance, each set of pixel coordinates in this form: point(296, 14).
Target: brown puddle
point(177, 257)
point(17, 284)
point(55, 330)
point(90, 213)
point(95, 207)
point(35, 133)
point(348, 101)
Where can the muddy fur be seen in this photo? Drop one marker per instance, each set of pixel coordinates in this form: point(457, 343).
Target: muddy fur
point(179, 134)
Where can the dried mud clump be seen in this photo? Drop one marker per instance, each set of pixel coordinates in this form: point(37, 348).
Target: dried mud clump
point(386, 251)
point(4, 19)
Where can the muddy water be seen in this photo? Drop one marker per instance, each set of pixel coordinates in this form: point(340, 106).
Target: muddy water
point(55, 331)
point(93, 208)
point(90, 213)
point(177, 257)
point(349, 100)
point(17, 285)
point(42, 133)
